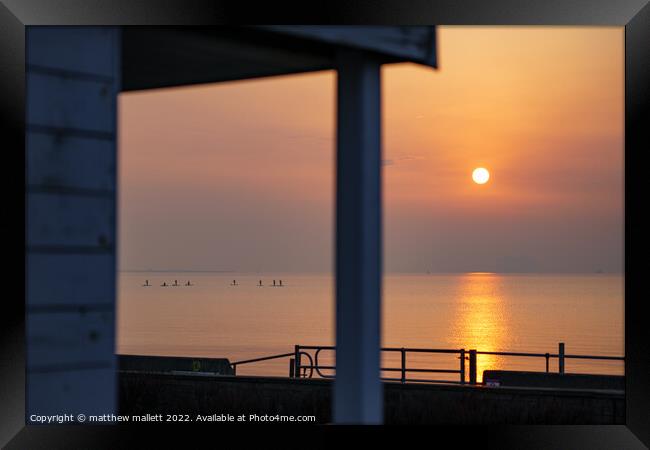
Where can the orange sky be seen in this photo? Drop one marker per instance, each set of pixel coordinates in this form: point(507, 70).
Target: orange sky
point(239, 176)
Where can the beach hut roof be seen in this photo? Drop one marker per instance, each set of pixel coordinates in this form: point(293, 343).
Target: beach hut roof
point(170, 56)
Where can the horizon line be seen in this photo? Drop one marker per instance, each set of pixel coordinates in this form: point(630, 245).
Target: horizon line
point(476, 272)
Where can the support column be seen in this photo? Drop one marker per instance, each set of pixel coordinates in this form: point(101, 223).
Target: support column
point(358, 395)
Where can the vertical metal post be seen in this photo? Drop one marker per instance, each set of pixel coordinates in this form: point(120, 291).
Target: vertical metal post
point(403, 366)
point(296, 363)
point(462, 366)
point(472, 367)
point(292, 368)
point(547, 356)
point(561, 357)
point(358, 393)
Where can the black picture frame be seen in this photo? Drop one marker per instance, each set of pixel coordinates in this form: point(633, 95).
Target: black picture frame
point(634, 15)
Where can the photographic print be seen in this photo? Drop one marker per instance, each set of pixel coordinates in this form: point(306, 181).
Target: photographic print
point(363, 224)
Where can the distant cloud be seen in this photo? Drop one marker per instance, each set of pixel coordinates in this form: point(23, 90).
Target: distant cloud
point(399, 159)
point(516, 264)
point(310, 136)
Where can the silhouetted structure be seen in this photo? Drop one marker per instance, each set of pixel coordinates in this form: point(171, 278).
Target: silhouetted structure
point(74, 75)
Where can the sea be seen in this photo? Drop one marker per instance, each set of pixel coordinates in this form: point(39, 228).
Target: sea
point(230, 315)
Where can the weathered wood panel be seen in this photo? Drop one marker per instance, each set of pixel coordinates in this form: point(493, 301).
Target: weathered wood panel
point(86, 391)
point(84, 49)
point(70, 280)
point(73, 76)
point(63, 340)
point(68, 161)
point(69, 102)
point(69, 220)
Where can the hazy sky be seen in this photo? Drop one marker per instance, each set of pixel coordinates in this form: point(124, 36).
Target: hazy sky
point(240, 176)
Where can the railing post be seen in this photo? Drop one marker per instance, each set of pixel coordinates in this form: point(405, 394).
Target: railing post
point(292, 368)
point(296, 363)
point(561, 357)
point(472, 367)
point(547, 356)
point(403, 366)
point(234, 369)
point(462, 366)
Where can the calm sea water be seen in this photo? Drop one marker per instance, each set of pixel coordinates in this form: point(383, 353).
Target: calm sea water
point(489, 312)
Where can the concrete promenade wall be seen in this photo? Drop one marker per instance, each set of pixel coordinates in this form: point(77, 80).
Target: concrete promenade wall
point(151, 393)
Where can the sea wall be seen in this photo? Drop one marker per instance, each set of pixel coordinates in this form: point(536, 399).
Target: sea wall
point(142, 363)
point(555, 380)
point(411, 403)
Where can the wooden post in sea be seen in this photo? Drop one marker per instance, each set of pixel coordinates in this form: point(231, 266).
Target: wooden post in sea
point(560, 354)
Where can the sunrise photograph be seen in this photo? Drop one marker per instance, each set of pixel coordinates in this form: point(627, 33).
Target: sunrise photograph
point(502, 195)
point(326, 224)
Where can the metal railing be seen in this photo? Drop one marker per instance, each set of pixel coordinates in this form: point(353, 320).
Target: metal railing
point(300, 370)
point(306, 369)
point(560, 355)
point(264, 358)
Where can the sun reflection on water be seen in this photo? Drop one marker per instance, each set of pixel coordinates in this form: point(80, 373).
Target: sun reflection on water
point(481, 321)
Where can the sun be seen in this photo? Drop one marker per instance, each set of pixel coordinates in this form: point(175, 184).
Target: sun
point(480, 175)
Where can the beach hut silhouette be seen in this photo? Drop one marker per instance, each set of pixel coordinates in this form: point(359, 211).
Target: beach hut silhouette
point(141, 58)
